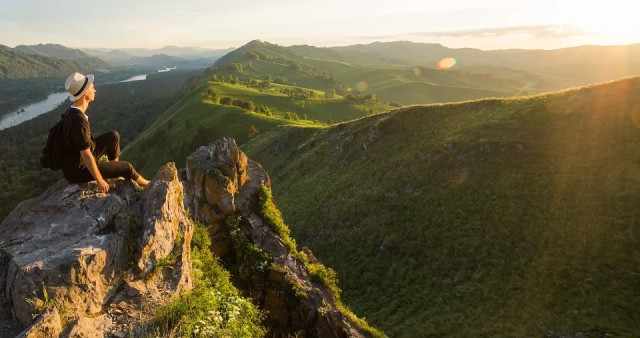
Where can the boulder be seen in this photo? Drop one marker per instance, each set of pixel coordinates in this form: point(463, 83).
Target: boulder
point(80, 249)
point(70, 240)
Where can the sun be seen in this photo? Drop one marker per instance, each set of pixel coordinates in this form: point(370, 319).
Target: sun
point(615, 20)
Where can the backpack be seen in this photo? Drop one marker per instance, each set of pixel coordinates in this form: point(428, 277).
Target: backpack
point(51, 156)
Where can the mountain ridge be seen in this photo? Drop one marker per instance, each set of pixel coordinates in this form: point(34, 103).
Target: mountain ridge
point(66, 53)
point(486, 217)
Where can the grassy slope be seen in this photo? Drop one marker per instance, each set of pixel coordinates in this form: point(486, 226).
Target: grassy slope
point(174, 139)
point(494, 217)
point(390, 83)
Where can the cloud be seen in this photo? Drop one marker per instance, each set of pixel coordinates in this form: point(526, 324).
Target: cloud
point(541, 31)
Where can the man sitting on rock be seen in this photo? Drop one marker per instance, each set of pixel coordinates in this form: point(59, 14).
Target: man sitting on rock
point(80, 148)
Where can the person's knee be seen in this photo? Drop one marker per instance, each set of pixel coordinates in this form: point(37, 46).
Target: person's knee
point(131, 172)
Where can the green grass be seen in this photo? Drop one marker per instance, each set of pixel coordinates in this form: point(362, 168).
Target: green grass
point(494, 217)
point(194, 121)
point(406, 85)
point(409, 86)
point(317, 270)
point(213, 308)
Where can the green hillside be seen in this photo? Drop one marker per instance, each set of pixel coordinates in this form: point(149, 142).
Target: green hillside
point(543, 69)
point(320, 68)
point(26, 78)
point(198, 119)
point(66, 53)
point(513, 217)
point(16, 64)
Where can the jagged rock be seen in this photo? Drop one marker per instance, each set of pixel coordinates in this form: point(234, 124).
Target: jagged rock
point(80, 246)
point(69, 240)
point(221, 178)
point(47, 325)
point(163, 221)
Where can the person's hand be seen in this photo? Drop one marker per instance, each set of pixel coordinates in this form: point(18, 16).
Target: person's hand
point(103, 185)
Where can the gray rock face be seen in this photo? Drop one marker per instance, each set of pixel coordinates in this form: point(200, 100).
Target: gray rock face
point(70, 240)
point(222, 184)
point(84, 246)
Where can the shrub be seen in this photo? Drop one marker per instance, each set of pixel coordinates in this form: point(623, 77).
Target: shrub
point(253, 131)
point(213, 308)
point(226, 100)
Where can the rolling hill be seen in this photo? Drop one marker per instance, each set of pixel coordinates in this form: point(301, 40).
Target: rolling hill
point(66, 53)
point(196, 119)
point(556, 69)
point(16, 64)
point(496, 217)
point(402, 84)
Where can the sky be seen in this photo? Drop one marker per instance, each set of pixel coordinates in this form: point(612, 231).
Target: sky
point(491, 24)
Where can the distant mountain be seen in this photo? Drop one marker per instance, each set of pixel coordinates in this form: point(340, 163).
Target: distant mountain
point(158, 60)
point(187, 53)
point(185, 56)
point(193, 53)
point(54, 50)
point(16, 64)
point(323, 68)
point(560, 68)
point(117, 55)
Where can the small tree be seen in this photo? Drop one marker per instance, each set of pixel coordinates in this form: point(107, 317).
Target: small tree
point(329, 93)
point(253, 131)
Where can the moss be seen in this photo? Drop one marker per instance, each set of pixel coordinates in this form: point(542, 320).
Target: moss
point(216, 174)
point(272, 215)
point(317, 271)
point(260, 259)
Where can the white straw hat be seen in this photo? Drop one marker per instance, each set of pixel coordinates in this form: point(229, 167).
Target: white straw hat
point(77, 84)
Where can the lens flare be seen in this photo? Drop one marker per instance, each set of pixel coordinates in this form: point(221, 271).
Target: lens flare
point(349, 89)
point(446, 63)
point(635, 115)
point(362, 86)
point(416, 71)
point(398, 76)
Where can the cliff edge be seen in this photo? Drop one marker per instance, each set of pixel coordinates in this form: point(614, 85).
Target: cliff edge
point(87, 260)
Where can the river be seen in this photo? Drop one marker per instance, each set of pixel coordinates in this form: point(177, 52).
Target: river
point(52, 101)
point(32, 110)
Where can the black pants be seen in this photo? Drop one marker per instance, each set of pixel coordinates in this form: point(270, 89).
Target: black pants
point(106, 144)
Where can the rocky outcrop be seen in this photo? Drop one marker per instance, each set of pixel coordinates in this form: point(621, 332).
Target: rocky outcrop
point(47, 325)
point(92, 254)
point(223, 189)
